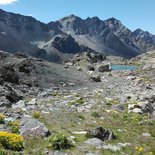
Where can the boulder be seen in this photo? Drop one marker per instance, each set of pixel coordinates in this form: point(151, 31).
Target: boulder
point(32, 127)
point(118, 107)
point(101, 133)
point(95, 78)
point(33, 102)
point(8, 74)
point(95, 142)
point(90, 68)
point(96, 57)
point(104, 68)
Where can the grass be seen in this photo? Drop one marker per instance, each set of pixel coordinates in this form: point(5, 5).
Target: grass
point(112, 102)
point(130, 131)
point(127, 127)
point(77, 102)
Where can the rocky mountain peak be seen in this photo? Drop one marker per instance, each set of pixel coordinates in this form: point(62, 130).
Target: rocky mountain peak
point(70, 18)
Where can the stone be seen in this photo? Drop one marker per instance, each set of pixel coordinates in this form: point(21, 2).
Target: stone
point(32, 102)
point(146, 107)
point(32, 127)
point(101, 134)
point(95, 78)
point(113, 148)
point(20, 104)
point(90, 68)
point(136, 110)
point(95, 142)
point(80, 132)
point(79, 68)
point(104, 68)
point(131, 77)
point(146, 134)
point(59, 153)
point(118, 107)
point(8, 74)
point(133, 106)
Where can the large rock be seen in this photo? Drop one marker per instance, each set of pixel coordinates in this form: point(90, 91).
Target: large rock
point(90, 68)
point(8, 74)
point(101, 134)
point(96, 57)
point(104, 68)
point(32, 127)
point(95, 142)
point(95, 78)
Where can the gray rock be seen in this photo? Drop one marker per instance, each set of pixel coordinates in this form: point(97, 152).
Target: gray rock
point(95, 142)
point(104, 68)
point(146, 107)
point(101, 134)
point(59, 153)
point(136, 110)
point(95, 78)
point(20, 104)
point(113, 148)
point(32, 127)
point(90, 68)
point(146, 134)
point(118, 107)
point(32, 102)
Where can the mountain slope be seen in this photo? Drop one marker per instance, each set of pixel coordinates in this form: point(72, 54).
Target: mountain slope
point(58, 41)
point(108, 36)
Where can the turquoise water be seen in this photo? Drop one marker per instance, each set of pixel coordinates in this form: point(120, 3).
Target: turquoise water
point(123, 67)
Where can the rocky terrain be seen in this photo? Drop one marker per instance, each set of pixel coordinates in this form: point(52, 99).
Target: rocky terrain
point(57, 41)
point(86, 106)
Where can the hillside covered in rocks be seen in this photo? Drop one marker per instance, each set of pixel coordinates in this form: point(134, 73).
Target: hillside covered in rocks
point(82, 107)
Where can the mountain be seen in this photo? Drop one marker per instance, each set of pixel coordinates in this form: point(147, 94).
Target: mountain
point(108, 36)
point(60, 40)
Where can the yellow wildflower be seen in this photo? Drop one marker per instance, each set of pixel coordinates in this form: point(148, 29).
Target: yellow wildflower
point(140, 149)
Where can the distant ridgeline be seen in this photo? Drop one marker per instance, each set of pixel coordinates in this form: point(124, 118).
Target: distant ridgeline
point(57, 41)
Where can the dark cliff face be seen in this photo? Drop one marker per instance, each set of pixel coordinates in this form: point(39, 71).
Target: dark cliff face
point(71, 34)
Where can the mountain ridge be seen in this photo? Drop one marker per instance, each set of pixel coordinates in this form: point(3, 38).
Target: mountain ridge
point(27, 35)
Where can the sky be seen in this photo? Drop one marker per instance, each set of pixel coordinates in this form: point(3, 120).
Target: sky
point(132, 13)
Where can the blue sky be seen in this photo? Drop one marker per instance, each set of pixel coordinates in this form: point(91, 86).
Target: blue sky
point(132, 13)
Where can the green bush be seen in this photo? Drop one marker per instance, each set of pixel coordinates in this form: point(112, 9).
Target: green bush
point(60, 141)
point(2, 152)
point(11, 141)
point(14, 126)
point(36, 114)
point(2, 117)
point(95, 114)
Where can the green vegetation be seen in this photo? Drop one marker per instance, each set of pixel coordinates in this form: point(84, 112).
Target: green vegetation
point(60, 141)
point(2, 117)
point(14, 126)
point(95, 114)
point(2, 151)
point(36, 114)
point(79, 101)
point(11, 141)
point(112, 102)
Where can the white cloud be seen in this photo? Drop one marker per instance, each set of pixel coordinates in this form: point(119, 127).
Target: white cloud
point(6, 2)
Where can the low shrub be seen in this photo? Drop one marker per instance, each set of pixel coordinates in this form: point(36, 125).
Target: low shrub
point(11, 141)
point(2, 117)
point(60, 141)
point(2, 152)
point(14, 126)
point(95, 114)
point(36, 114)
